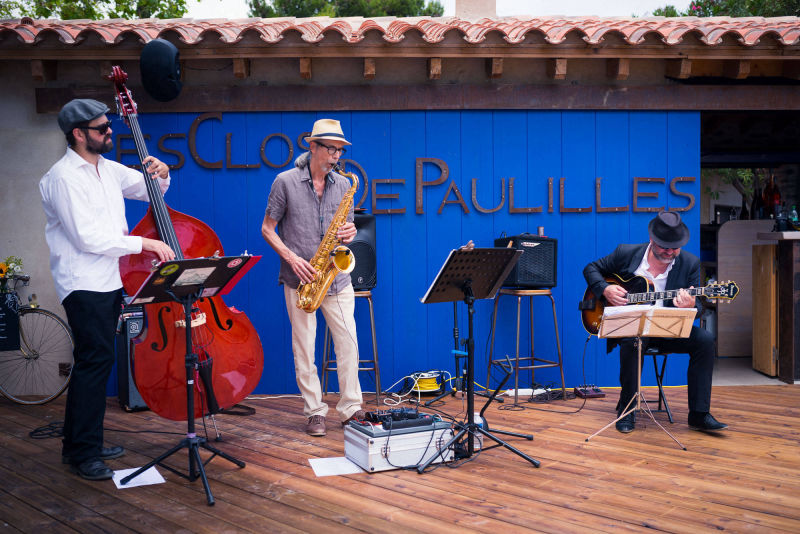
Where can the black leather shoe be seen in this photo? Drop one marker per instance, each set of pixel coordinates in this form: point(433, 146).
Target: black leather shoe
point(106, 453)
point(92, 469)
point(627, 423)
point(705, 422)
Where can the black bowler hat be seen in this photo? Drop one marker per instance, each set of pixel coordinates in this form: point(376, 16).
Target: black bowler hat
point(667, 231)
point(161, 70)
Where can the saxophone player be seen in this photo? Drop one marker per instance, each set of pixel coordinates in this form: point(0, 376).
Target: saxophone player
point(302, 203)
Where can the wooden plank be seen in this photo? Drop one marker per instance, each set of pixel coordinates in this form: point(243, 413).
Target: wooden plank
point(765, 308)
point(430, 97)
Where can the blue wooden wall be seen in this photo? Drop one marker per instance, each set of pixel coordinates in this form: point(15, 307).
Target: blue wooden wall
point(530, 147)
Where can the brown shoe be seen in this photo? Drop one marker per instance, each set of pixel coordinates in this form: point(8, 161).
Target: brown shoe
point(316, 425)
point(360, 415)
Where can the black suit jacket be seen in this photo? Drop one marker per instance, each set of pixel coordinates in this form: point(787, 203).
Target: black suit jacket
point(625, 260)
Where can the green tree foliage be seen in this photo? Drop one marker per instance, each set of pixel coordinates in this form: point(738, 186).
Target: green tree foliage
point(93, 9)
point(344, 8)
point(734, 8)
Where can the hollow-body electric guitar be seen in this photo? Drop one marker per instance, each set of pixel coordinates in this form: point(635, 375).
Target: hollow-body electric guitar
point(640, 291)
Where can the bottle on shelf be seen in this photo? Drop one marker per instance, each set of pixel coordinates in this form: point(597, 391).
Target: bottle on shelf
point(776, 200)
point(744, 214)
point(793, 214)
point(766, 198)
point(757, 207)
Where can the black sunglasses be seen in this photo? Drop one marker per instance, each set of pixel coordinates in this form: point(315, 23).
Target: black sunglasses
point(102, 129)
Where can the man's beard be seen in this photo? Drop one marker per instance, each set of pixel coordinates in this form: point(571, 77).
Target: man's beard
point(99, 147)
point(663, 257)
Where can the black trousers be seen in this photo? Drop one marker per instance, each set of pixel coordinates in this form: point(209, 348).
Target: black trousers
point(92, 316)
point(700, 347)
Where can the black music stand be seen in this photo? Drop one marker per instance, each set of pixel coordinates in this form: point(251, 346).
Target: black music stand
point(468, 274)
point(186, 281)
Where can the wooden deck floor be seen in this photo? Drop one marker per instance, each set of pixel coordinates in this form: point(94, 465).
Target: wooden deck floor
point(744, 480)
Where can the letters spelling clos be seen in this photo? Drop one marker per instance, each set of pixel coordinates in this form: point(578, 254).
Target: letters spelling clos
point(452, 194)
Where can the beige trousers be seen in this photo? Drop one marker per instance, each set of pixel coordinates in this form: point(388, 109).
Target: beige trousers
point(338, 312)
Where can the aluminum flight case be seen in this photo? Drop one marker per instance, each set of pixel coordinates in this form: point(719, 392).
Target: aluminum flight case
point(374, 449)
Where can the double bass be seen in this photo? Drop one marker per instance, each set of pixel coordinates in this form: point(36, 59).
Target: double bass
point(227, 344)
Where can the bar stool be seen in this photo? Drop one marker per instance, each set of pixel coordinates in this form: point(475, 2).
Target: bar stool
point(329, 361)
point(533, 361)
point(655, 353)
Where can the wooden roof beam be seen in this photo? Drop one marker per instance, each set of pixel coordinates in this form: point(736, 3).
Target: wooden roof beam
point(241, 68)
point(679, 68)
point(434, 68)
point(44, 70)
point(557, 68)
point(369, 68)
point(494, 67)
point(305, 68)
point(618, 68)
point(737, 69)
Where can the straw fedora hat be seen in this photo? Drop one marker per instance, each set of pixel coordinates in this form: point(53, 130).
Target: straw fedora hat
point(327, 129)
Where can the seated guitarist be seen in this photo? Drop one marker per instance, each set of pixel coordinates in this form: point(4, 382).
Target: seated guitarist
point(667, 268)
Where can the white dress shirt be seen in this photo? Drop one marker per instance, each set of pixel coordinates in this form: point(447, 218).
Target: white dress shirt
point(659, 282)
point(86, 228)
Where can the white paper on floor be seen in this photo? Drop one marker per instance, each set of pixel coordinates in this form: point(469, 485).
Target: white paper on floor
point(324, 467)
point(151, 476)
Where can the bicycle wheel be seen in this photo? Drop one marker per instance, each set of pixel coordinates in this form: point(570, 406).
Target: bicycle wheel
point(40, 370)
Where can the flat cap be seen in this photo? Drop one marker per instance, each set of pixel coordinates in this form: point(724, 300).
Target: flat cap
point(79, 110)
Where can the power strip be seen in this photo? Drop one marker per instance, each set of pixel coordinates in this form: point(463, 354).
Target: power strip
point(588, 392)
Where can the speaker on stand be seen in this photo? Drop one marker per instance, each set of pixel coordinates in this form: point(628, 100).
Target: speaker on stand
point(365, 273)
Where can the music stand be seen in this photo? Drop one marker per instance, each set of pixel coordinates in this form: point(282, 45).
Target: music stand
point(186, 281)
point(640, 321)
point(469, 274)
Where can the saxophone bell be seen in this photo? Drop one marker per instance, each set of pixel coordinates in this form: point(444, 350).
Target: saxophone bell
point(342, 259)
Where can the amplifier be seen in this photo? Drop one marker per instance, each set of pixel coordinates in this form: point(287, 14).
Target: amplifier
point(132, 321)
point(537, 265)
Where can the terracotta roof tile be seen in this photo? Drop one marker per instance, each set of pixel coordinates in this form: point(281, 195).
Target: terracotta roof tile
point(593, 30)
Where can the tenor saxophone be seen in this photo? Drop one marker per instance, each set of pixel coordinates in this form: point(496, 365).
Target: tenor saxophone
point(331, 257)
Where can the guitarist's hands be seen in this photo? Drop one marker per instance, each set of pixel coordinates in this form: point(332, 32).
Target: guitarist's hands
point(684, 299)
point(615, 295)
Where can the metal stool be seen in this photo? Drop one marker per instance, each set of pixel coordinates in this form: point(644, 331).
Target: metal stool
point(530, 293)
point(655, 353)
point(329, 362)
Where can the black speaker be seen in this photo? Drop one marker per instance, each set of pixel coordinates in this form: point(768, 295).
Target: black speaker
point(161, 70)
point(132, 323)
point(365, 274)
point(537, 265)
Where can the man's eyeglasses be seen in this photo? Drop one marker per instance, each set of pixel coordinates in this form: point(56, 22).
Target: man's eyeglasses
point(332, 149)
point(102, 129)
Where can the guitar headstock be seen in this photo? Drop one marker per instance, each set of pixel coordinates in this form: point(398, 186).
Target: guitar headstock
point(722, 290)
point(126, 107)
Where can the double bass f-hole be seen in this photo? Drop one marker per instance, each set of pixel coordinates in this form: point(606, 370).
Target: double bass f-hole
point(228, 323)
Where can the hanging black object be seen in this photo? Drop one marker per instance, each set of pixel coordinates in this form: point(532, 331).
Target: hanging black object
point(161, 70)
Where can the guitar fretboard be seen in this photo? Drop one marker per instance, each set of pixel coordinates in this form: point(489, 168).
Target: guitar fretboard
point(652, 296)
